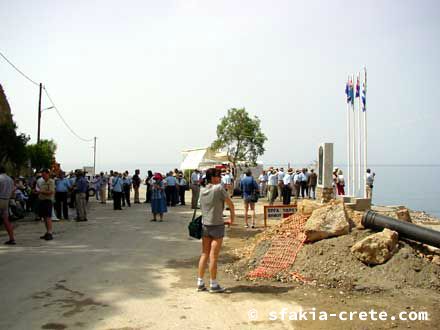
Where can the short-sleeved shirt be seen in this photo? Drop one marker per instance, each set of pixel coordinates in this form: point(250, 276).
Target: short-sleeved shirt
point(46, 186)
point(62, 185)
point(273, 180)
point(81, 185)
point(370, 179)
point(262, 178)
point(136, 181)
point(226, 179)
point(195, 178)
point(248, 185)
point(6, 186)
point(170, 180)
point(288, 178)
point(281, 175)
point(117, 184)
point(212, 202)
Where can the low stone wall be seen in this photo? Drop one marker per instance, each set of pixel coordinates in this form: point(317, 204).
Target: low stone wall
point(324, 195)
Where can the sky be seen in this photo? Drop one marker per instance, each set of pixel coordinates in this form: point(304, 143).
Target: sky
point(151, 78)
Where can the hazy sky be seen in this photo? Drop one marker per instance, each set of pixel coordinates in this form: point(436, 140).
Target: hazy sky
point(150, 78)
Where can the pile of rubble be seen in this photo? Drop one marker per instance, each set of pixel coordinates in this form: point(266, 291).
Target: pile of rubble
point(339, 252)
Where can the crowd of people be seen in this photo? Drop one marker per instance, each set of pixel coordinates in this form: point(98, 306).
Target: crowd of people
point(50, 196)
point(278, 183)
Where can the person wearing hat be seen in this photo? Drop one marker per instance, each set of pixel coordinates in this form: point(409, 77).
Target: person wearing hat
point(158, 197)
point(81, 187)
point(45, 195)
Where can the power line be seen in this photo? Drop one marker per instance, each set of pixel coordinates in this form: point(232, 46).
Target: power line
point(63, 120)
point(45, 90)
point(18, 70)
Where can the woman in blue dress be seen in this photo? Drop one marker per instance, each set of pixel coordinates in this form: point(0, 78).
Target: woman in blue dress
point(158, 197)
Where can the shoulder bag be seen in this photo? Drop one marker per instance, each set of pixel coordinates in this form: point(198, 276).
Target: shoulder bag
point(195, 226)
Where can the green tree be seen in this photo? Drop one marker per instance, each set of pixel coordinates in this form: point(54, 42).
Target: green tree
point(13, 151)
point(41, 154)
point(240, 136)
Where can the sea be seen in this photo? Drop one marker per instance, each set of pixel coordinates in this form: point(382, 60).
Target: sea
point(414, 186)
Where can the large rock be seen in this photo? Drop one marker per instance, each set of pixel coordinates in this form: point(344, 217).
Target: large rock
point(377, 248)
point(327, 221)
point(398, 213)
point(403, 214)
point(307, 206)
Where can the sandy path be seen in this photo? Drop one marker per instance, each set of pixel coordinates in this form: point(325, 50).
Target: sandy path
point(115, 272)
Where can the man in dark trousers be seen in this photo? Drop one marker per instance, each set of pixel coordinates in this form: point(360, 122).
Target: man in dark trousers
point(117, 191)
point(62, 187)
point(313, 180)
point(126, 185)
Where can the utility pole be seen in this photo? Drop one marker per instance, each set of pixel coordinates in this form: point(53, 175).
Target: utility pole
point(94, 155)
point(39, 113)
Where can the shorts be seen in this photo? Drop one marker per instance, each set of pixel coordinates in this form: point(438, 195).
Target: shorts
point(45, 208)
point(4, 206)
point(217, 231)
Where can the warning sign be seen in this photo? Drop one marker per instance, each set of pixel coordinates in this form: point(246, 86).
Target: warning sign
point(278, 212)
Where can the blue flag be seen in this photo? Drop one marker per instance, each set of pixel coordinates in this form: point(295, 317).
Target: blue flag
point(357, 87)
point(351, 92)
point(364, 98)
point(347, 92)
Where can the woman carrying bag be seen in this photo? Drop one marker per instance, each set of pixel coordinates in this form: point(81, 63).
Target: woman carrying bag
point(212, 201)
point(249, 189)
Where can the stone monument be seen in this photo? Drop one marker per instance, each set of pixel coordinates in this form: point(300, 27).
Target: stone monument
point(324, 190)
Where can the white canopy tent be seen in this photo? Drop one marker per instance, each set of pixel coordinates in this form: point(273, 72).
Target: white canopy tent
point(201, 158)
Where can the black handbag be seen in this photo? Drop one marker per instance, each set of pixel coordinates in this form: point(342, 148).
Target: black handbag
point(254, 197)
point(195, 226)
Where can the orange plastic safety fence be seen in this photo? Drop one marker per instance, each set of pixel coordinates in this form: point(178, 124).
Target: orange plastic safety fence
point(284, 248)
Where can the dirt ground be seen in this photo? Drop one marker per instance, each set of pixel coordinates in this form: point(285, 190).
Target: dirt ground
point(342, 282)
point(119, 271)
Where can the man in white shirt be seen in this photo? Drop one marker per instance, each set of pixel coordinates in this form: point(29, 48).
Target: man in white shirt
point(262, 181)
point(272, 186)
point(227, 183)
point(369, 180)
point(287, 187)
point(281, 175)
point(297, 183)
point(195, 188)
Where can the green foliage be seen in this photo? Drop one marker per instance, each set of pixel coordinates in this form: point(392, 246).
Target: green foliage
point(41, 154)
point(12, 146)
point(240, 136)
point(187, 175)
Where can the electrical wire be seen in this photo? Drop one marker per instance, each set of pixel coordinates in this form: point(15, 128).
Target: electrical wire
point(48, 96)
point(18, 70)
point(63, 120)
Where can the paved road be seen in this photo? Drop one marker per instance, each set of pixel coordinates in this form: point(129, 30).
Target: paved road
point(116, 271)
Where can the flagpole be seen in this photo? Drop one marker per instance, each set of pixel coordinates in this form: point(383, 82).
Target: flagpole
point(365, 132)
point(348, 144)
point(359, 136)
point(353, 155)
